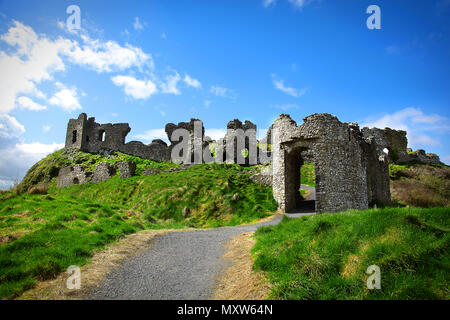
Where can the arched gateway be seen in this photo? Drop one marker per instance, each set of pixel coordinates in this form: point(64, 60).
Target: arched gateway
point(350, 171)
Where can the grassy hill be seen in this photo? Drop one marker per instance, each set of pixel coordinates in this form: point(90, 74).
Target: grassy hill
point(326, 256)
point(420, 185)
point(44, 229)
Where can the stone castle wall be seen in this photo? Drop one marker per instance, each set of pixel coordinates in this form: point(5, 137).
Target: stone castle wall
point(87, 135)
point(351, 164)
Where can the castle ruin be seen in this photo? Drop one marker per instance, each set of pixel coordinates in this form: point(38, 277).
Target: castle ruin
point(351, 164)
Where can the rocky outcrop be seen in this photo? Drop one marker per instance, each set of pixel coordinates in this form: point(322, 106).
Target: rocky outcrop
point(126, 169)
point(71, 175)
point(103, 172)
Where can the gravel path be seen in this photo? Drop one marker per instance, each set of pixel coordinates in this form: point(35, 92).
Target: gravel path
point(177, 265)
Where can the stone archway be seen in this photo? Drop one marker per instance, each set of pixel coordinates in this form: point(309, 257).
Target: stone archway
point(295, 159)
point(350, 172)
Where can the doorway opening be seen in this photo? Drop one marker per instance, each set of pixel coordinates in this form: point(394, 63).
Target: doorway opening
point(300, 178)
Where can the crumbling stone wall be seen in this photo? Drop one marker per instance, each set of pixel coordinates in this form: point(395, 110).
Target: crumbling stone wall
point(343, 160)
point(196, 140)
point(396, 143)
point(240, 137)
point(87, 135)
point(71, 175)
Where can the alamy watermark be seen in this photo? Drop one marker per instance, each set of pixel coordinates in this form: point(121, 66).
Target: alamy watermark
point(73, 282)
point(73, 22)
point(239, 146)
point(374, 20)
point(374, 280)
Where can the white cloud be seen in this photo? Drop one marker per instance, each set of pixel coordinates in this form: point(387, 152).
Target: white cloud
point(16, 157)
point(215, 134)
point(65, 98)
point(16, 160)
point(108, 56)
point(152, 134)
point(279, 85)
point(35, 59)
point(170, 86)
point(10, 127)
point(137, 25)
point(163, 35)
point(138, 89)
point(191, 82)
point(416, 124)
point(207, 103)
point(267, 3)
point(46, 128)
point(27, 103)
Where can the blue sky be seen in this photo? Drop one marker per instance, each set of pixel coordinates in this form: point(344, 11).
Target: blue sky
point(153, 62)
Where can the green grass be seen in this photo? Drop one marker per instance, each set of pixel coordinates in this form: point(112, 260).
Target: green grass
point(307, 174)
point(47, 169)
point(326, 256)
point(42, 234)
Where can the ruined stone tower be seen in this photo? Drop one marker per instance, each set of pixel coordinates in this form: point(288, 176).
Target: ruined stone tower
point(86, 135)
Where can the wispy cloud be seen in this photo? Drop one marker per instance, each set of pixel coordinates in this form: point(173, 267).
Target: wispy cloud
point(268, 3)
point(137, 25)
point(423, 130)
point(279, 85)
point(394, 50)
point(222, 92)
point(170, 85)
point(285, 107)
point(298, 4)
point(191, 82)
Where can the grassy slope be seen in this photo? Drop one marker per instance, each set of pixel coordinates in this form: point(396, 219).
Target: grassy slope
point(43, 234)
point(420, 185)
point(326, 256)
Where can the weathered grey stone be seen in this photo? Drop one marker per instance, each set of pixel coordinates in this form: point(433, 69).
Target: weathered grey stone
point(127, 169)
point(73, 175)
point(421, 156)
point(196, 141)
point(395, 142)
point(103, 172)
point(345, 164)
point(263, 179)
point(86, 135)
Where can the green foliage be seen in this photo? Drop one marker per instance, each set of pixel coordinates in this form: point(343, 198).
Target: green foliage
point(396, 171)
point(326, 256)
point(42, 234)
